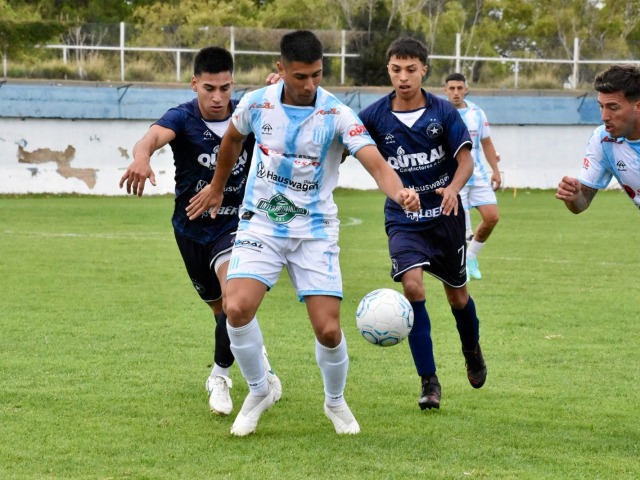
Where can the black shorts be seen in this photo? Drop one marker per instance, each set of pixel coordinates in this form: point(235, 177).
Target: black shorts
point(199, 259)
point(439, 250)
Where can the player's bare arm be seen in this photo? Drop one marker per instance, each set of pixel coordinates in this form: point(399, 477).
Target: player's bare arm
point(492, 159)
point(576, 196)
point(210, 197)
point(387, 179)
point(449, 193)
point(140, 168)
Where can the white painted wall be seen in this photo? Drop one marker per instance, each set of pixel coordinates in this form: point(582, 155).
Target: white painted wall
point(533, 156)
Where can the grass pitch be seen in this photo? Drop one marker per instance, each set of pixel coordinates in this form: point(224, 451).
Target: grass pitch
point(105, 347)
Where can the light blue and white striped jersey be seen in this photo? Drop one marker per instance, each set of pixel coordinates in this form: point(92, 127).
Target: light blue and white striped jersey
point(478, 127)
point(607, 157)
point(296, 159)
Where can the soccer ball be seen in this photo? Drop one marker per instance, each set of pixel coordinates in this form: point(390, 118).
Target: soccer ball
point(384, 317)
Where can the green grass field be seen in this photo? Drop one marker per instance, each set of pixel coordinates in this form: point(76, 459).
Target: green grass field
point(105, 347)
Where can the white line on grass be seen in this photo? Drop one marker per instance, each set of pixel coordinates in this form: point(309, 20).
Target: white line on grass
point(116, 236)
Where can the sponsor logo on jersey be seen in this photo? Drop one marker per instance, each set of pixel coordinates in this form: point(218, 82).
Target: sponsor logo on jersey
point(585, 162)
point(254, 245)
point(228, 210)
point(207, 134)
point(622, 167)
point(266, 129)
point(269, 152)
point(424, 213)
point(420, 159)
point(267, 105)
point(357, 129)
point(280, 209)
point(434, 130)
point(303, 186)
point(441, 182)
point(389, 139)
point(331, 111)
point(200, 185)
point(609, 139)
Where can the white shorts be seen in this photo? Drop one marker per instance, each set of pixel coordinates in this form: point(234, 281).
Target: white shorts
point(312, 264)
point(477, 195)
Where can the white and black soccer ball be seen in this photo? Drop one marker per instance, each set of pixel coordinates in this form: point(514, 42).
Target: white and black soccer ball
point(384, 317)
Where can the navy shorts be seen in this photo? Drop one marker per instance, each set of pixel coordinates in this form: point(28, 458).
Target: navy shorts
point(439, 250)
point(200, 260)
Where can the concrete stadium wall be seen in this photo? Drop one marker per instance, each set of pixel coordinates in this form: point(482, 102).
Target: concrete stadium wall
point(78, 139)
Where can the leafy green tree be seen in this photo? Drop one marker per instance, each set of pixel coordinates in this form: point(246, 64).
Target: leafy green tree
point(22, 28)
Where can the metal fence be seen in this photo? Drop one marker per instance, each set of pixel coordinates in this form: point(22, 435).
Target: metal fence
point(336, 45)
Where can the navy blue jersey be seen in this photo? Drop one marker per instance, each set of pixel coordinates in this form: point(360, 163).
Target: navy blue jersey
point(195, 153)
point(422, 155)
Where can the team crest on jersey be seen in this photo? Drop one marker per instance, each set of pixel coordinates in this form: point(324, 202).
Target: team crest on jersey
point(434, 130)
point(280, 209)
point(622, 167)
point(321, 135)
point(207, 134)
point(266, 129)
point(389, 139)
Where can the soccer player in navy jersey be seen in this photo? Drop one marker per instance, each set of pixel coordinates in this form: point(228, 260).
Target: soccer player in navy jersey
point(194, 130)
point(427, 143)
point(614, 147)
point(289, 218)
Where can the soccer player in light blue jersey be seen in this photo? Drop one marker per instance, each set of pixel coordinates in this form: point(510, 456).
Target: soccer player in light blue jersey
point(614, 148)
point(424, 139)
point(194, 131)
point(479, 192)
point(289, 218)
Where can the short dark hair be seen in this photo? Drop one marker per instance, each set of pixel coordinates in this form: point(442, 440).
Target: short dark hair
point(213, 60)
point(619, 78)
point(407, 47)
point(300, 46)
point(455, 77)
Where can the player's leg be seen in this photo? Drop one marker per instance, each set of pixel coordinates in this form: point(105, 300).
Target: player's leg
point(448, 264)
point(409, 256)
point(197, 261)
point(221, 266)
point(464, 200)
point(333, 359)
point(314, 269)
point(254, 267)
point(483, 198)
point(463, 309)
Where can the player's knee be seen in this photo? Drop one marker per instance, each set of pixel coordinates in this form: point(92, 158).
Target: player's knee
point(238, 314)
point(413, 290)
point(329, 335)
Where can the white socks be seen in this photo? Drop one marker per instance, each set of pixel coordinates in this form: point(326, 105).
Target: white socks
point(474, 249)
point(333, 363)
point(247, 345)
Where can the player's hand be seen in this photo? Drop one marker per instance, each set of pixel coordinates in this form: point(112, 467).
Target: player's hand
point(136, 176)
point(496, 180)
point(272, 78)
point(409, 199)
point(202, 201)
point(568, 189)
point(449, 200)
